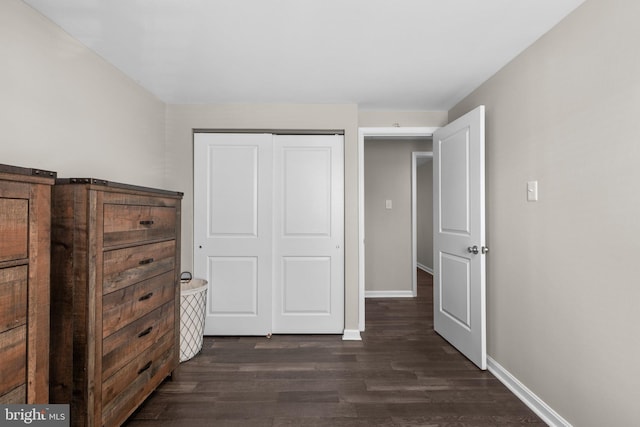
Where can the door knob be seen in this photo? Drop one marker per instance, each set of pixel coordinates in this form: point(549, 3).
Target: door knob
point(474, 250)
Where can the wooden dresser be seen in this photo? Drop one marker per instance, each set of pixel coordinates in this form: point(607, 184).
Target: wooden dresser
point(25, 219)
point(115, 296)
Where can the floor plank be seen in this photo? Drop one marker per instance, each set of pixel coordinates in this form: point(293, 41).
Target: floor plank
point(400, 374)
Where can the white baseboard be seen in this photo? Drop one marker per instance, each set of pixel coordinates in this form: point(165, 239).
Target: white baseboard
point(537, 405)
point(351, 335)
point(388, 294)
point(425, 268)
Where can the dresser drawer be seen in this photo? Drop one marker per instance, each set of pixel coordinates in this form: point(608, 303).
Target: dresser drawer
point(124, 267)
point(13, 297)
point(120, 389)
point(14, 229)
point(17, 395)
point(128, 304)
point(122, 346)
point(126, 224)
point(13, 369)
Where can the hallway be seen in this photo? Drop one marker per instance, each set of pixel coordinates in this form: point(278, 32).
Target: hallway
point(401, 374)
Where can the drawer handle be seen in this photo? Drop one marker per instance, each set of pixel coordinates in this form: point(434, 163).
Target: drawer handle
point(146, 261)
point(145, 367)
point(145, 297)
point(148, 222)
point(145, 332)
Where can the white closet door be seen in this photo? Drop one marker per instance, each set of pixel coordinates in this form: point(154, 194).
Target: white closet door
point(233, 230)
point(308, 248)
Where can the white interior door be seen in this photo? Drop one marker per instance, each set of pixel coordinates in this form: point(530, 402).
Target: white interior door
point(232, 233)
point(459, 235)
point(308, 234)
point(268, 232)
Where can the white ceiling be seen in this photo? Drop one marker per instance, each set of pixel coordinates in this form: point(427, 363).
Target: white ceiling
point(380, 54)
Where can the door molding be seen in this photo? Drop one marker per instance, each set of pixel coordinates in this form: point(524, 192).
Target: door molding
point(363, 133)
point(273, 131)
point(414, 215)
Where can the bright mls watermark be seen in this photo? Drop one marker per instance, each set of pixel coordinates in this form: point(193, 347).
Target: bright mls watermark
point(34, 415)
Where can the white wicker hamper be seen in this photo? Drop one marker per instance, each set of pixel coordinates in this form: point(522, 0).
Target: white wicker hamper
point(193, 300)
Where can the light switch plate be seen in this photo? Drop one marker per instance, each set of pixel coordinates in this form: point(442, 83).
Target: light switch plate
point(388, 204)
point(532, 191)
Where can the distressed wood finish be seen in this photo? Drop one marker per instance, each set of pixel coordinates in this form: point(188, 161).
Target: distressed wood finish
point(401, 374)
point(13, 346)
point(125, 224)
point(116, 280)
point(25, 225)
point(127, 266)
point(129, 304)
point(137, 378)
point(13, 297)
point(17, 395)
point(122, 346)
point(14, 229)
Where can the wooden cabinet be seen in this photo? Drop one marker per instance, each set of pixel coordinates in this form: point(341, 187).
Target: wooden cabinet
point(115, 289)
point(25, 197)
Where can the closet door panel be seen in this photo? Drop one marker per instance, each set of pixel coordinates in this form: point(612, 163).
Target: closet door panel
point(232, 230)
point(308, 285)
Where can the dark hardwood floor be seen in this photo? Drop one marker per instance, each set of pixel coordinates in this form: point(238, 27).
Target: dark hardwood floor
point(400, 374)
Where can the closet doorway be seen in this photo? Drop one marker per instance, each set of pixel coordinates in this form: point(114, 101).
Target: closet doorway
point(269, 232)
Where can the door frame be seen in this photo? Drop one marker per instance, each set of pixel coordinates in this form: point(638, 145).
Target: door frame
point(363, 133)
point(282, 131)
point(414, 214)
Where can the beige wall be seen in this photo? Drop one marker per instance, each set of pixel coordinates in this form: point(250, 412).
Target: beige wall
point(63, 108)
point(563, 273)
point(424, 214)
point(387, 176)
point(402, 118)
point(183, 119)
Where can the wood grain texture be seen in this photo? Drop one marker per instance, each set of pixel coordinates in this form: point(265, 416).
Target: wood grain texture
point(14, 226)
point(39, 297)
point(13, 297)
point(401, 374)
point(122, 346)
point(127, 266)
point(17, 395)
point(125, 224)
point(115, 285)
point(13, 370)
point(25, 227)
point(68, 234)
point(131, 303)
